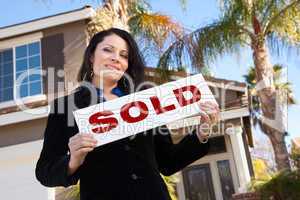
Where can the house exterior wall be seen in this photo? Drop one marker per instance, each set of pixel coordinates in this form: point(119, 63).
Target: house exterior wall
point(17, 176)
point(62, 49)
point(211, 160)
point(236, 155)
point(74, 43)
point(22, 132)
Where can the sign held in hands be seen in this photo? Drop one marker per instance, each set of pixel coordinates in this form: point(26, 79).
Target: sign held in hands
point(134, 113)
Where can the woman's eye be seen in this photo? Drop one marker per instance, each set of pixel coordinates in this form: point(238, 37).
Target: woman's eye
point(107, 50)
point(124, 56)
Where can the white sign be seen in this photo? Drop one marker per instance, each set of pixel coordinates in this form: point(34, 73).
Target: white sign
point(131, 114)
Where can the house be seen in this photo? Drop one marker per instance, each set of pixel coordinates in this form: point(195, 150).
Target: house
point(39, 61)
point(227, 168)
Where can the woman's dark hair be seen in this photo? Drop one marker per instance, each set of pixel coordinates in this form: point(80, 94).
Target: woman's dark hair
point(135, 60)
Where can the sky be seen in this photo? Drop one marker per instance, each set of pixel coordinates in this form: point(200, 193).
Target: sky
point(197, 13)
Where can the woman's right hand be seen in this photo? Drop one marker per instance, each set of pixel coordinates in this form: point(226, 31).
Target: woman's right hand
point(80, 144)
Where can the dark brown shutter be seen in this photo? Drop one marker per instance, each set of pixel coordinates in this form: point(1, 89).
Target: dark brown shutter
point(52, 57)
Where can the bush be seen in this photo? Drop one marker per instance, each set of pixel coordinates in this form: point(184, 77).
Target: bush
point(283, 186)
point(171, 185)
point(295, 156)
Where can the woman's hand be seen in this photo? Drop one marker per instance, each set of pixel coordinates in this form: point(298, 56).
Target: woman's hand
point(79, 145)
point(210, 114)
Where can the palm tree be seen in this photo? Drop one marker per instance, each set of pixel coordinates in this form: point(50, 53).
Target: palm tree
point(282, 88)
point(135, 16)
point(262, 25)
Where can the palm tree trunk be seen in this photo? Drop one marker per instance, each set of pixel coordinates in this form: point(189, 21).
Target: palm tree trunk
point(280, 150)
point(279, 146)
point(264, 78)
point(267, 97)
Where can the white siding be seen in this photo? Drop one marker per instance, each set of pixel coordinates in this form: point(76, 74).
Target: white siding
point(17, 176)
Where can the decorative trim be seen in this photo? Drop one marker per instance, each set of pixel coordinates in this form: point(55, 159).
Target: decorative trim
point(227, 86)
point(10, 43)
point(25, 100)
point(235, 113)
point(240, 158)
point(51, 193)
point(22, 116)
point(47, 22)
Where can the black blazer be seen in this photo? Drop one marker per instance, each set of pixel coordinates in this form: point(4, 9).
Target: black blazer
point(126, 169)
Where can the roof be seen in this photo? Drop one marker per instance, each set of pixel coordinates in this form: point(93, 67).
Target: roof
point(83, 13)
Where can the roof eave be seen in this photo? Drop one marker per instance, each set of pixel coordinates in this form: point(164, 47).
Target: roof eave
point(46, 22)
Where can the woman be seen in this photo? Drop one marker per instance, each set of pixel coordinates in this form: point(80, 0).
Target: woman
point(125, 169)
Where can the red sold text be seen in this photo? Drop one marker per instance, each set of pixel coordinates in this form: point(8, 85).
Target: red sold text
point(105, 120)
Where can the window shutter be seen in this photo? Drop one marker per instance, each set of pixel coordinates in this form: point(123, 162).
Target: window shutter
point(53, 57)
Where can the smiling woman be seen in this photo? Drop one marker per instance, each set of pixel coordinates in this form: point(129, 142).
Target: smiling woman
point(108, 50)
point(110, 60)
point(68, 156)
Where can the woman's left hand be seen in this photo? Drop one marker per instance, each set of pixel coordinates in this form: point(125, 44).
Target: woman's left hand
point(210, 115)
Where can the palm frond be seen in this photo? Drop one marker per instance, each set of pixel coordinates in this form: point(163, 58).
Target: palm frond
point(250, 77)
point(270, 8)
point(137, 6)
point(101, 21)
point(241, 9)
point(204, 45)
point(148, 48)
point(285, 21)
point(279, 46)
point(154, 26)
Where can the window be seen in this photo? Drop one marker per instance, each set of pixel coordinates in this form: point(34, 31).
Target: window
point(198, 182)
point(225, 179)
point(6, 75)
point(20, 72)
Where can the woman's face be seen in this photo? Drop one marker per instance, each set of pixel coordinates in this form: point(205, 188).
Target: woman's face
point(110, 59)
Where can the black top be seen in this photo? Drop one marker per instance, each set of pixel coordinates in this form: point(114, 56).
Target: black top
point(125, 169)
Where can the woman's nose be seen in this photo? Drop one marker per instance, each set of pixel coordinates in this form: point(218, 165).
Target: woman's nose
point(115, 58)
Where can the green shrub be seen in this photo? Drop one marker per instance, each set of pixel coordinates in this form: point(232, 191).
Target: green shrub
point(171, 185)
point(282, 186)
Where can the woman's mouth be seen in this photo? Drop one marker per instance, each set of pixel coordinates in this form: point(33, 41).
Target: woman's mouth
point(113, 67)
